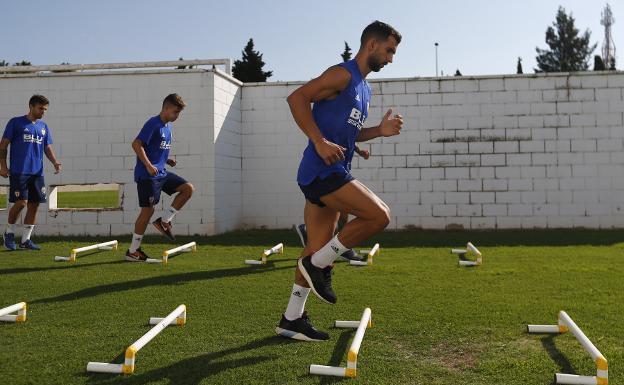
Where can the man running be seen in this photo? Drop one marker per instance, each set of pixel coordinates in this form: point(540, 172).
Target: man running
point(30, 138)
point(152, 147)
point(333, 125)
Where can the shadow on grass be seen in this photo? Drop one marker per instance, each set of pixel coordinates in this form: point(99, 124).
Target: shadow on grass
point(65, 266)
point(160, 280)
point(194, 370)
point(340, 351)
point(564, 364)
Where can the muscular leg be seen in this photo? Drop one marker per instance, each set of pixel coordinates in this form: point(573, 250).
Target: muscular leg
point(15, 210)
point(372, 215)
point(31, 213)
point(143, 220)
point(320, 223)
point(185, 192)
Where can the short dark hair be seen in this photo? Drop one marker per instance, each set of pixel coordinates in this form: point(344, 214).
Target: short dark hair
point(379, 30)
point(38, 99)
point(175, 100)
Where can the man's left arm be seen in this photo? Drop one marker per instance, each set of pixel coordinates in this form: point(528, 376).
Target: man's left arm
point(389, 126)
point(52, 157)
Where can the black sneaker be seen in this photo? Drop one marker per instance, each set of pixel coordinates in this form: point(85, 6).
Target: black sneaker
point(318, 279)
point(137, 256)
point(164, 228)
point(351, 255)
point(300, 329)
point(303, 234)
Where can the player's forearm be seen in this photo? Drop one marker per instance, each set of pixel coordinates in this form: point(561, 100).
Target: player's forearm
point(302, 113)
point(140, 153)
point(368, 133)
point(3, 157)
point(50, 155)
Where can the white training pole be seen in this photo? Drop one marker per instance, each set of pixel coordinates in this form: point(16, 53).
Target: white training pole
point(471, 247)
point(374, 250)
point(351, 369)
point(253, 262)
point(458, 251)
point(547, 329)
point(575, 379)
point(131, 351)
point(110, 245)
point(153, 260)
point(468, 263)
point(369, 258)
point(19, 308)
point(102, 367)
point(324, 370)
point(186, 248)
point(279, 248)
point(358, 263)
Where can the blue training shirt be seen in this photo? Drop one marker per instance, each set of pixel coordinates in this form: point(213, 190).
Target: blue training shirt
point(28, 142)
point(156, 138)
point(340, 121)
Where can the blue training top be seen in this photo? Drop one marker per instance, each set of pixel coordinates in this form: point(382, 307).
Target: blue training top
point(156, 138)
point(28, 143)
point(340, 120)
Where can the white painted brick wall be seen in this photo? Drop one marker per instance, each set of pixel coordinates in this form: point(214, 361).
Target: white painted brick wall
point(529, 151)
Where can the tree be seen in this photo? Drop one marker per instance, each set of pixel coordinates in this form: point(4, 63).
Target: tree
point(612, 63)
point(567, 50)
point(519, 66)
point(249, 69)
point(457, 73)
point(599, 64)
point(346, 55)
point(23, 63)
point(3, 63)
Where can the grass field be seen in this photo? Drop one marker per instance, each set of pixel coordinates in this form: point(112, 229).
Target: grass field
point(433, 323)
point(88, 199)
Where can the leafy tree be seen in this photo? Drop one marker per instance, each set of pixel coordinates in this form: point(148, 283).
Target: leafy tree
point(346, 55)
point(457, 73)
point(599, 64)
point(567, 50)
point(249, 68)
point(519, 66)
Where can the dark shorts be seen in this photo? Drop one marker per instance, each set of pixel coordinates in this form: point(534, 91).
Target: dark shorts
point(321, 187)
point(149, 189)
point(27, 187)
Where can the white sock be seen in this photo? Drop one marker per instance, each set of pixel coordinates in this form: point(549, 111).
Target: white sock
point(136, 242)
point(297, 301)
point(10, 228)
point(170, 214)
point(28, 229)
point(328, 253)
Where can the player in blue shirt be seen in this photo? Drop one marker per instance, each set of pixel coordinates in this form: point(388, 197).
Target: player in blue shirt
point(29, 138)
point(333, 125)
point(152, 147)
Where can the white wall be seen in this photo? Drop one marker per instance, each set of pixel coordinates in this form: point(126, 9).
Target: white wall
point(95, 117)
point(527, 151)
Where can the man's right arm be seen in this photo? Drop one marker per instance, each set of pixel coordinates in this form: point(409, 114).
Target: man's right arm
point(326, 86)
point(137, 146)
point(4, 145)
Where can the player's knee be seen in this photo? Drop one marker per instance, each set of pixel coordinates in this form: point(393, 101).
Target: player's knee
point(190, 188)
point(20, 203)
point(382, 219)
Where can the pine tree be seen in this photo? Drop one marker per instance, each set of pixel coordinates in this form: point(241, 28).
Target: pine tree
point(346, 55)
point(457, 73)
point(599, 64)
point(612, 64)
point(567, 50)
point(23, 63)
point(3, 63)
point(249, 69)
point(519, 66)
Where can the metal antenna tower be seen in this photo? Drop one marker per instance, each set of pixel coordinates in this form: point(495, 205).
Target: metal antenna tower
point(608, 46)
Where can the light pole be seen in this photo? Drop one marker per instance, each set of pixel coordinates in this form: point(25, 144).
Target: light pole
point(436, 54)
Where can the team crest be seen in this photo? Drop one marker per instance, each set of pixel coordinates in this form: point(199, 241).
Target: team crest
point(151, 200)
point(17, 194)
point(43, 131)
point(43, 190)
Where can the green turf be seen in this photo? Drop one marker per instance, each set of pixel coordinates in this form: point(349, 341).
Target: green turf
point(433, 323)
point(88, 199)
point(3, 201)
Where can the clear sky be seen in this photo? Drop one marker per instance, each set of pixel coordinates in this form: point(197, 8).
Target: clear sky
point(298, 38)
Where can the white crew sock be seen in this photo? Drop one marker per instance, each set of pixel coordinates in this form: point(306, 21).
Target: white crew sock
point(328, 253)
point(170, 214)
point(297, 301)
point(136, 242)
point(10, 228)
point(28, 229)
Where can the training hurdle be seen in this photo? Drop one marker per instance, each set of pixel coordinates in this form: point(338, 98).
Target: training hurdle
point(277, 249)
point(369, 258)
point(565, 324)
point(110, 245)
point(186, 248)
point(351, 369)
point(19, 308)
point(176, 317)
point(470, 249)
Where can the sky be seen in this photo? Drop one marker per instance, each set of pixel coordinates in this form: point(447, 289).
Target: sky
point(299, 39)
